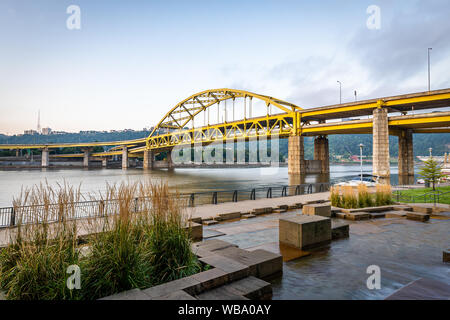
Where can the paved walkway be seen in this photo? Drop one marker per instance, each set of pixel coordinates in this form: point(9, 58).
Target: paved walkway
point(213, 210)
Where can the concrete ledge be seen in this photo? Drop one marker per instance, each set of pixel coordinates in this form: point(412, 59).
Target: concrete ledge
point(339, 230)
point(188, 284)
point(418, 216)
point(369, 209)
point(375, 215)
point(176, 295)
point(229, 216)
point(195, 230)
point(401, 207)
point(212, 245)
point(422, 209)
point(359, 215)
point(317, 209)
point(234, 269)
point(396, 214)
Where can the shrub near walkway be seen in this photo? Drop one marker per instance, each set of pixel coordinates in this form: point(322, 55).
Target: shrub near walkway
point(349, 198)
point(129, 248)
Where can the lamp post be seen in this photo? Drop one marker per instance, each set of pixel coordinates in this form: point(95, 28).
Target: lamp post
point(430, 149)
point(360, 158)
point(429, 87)
point(356, 97)
point(340, 92)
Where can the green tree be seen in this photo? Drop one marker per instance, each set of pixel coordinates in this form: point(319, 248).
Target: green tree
point(431, 171)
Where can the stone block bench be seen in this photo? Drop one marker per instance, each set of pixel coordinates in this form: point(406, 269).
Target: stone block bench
point(304, 231)
point(235, 275)
point(418, 216)
point(446, 255)
point(339, 230)
point(317, 209)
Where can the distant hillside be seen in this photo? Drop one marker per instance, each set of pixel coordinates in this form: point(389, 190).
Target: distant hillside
point(339, 144)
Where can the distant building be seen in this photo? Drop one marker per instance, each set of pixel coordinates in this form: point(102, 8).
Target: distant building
point(31, 132)
point(46, 131)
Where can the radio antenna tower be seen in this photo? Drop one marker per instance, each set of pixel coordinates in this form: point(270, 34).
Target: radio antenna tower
point(39, 122)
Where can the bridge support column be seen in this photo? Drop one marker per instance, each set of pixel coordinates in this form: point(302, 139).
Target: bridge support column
point(104, 162)
point(86, 157)
point(45, 158)
point(381, 145)
point(169, 160)
point(322, 153)
point(296, 155)
point(148, 160)
point(125, 163)
point(405, 157)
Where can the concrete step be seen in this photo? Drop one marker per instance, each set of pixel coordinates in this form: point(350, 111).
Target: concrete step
point(244, 289)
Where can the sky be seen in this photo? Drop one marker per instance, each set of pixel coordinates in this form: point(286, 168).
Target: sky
point(132, 61)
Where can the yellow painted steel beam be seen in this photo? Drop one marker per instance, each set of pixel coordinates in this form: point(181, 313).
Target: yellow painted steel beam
point(431, 130)
point(71, 145)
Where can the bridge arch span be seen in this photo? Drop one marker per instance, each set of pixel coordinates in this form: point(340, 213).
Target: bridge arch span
point(183, 114)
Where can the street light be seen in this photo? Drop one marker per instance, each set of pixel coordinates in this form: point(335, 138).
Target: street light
point(429, 49)
point(340, 92)
point(430, 149)
point(360, 157)
point(356, 97)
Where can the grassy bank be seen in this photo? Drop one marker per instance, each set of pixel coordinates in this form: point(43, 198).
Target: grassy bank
point(424, 195)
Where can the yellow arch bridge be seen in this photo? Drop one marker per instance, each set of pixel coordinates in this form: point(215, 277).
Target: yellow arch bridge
point(219, 115)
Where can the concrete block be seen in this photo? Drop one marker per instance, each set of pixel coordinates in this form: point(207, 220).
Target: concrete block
point(196, 220)
point(396, 214)
point(340, 215)
point(304, 232)
point(423, 209)
point(357, 216)
point(229, 216)
point(248, 216)
point(317, 209)
point(188, 284)
point(339, 230)
point(292, 207)
point(212, 245)
point(252, 288)
point(195, 230)
point(419, 216)
point(279, 210)
point(211, 279)
point(446, 255)
point(374, 215)
point(261, 263)
point(258, 211)
point(401, 207)
point(299, 205)
point(210, 222)
point(234, 269)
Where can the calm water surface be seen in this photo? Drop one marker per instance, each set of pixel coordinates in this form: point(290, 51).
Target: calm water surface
point(185, 180)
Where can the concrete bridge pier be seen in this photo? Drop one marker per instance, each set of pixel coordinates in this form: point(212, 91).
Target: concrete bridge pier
point(149, 159)
point(381, 145)
point(296, 155)
point(405, 157)
point(45, 158)
point(104, 162)
point(322, 153)
point(169, 160)
point(86, 158)
point(125, 163)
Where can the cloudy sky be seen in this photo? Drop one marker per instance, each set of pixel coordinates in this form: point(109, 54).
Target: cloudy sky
point(131, 61)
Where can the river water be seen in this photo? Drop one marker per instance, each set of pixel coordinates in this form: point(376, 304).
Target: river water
point(185, 180)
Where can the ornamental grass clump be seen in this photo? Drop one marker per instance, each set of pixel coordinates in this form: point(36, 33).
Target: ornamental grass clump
point(137, 239)
point(383, 195)
point(33, 266)
point(364, 198)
